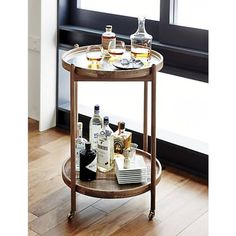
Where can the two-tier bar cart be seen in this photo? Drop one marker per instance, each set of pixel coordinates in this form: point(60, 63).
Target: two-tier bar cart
point(106, 185)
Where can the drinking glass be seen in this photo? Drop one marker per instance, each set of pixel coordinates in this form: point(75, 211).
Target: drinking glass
point(116, 49)
point(94, 54)
point(133, 149)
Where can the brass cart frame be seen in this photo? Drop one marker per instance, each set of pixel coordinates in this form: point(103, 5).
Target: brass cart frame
point(75, 62)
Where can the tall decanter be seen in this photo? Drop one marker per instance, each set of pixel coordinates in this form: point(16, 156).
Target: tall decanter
point(141, 42)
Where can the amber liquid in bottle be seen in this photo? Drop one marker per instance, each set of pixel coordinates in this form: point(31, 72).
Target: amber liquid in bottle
point(107, 37)
point(140, 53)
point(122, 139)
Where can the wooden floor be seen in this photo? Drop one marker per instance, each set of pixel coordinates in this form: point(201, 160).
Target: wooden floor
point(182, 199)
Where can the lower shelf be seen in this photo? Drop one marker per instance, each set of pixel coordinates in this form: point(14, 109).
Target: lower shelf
point(106, 185)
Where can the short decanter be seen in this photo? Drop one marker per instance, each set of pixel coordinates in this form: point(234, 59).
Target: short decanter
point(141, 42)
point(105, 148)
point(79, 144)
point(108, 37)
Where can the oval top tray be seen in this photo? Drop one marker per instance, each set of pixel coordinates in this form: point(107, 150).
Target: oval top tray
point(106, 185)
point(77, 56)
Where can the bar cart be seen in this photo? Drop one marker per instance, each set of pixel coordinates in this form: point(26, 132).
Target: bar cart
point(106, 185)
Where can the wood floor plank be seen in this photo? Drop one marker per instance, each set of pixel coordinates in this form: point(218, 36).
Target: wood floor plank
point(51, 201)
point(32, 233)
point(171, 203)
point(45, 175)
point(45, 137)
point(120, 232)
point(109, 205)
point(180, 197)
point(59, 214)
point(31, 217)
point(58, 143)
point(33, 126)
point(120, 216)
point(180, 216)
point(43, 189)
point(138, 226)
point(80, 221)
point(197, 228)
point(37, 153)
point(134, 207)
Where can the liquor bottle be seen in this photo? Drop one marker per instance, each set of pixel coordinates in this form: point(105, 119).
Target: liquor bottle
point(95, 126)
point(79, 144)
point(141, 42)
point(107, 37)
point(122, 138)
point(105, 148)
point(88, 163)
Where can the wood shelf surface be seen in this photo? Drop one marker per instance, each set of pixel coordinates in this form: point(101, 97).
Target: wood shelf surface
point(106, 185)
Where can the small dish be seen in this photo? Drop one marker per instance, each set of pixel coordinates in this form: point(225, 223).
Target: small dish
point(125, 64)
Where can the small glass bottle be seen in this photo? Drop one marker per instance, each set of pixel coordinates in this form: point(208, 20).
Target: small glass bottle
point(105, 148)
point(122, 138)
point(141, 42)
point(107, 37)
point(95, 126)
point(79, 144)
point(88, 163)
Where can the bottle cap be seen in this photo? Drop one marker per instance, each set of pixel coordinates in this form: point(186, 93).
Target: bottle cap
point(96, 107)
point(122, 125)
point(87, 145)
point(106, 120)
point(109, 28)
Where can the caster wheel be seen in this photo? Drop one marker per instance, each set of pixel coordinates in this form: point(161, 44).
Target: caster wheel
point(151, 215)
point(70, 216)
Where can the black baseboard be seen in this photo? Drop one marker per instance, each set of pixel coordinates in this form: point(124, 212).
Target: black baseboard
point(168, 153)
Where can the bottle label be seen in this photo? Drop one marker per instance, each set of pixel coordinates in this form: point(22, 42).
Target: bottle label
point(94, 136)
point(78, 147)
point(127, 140)
point(118, 145)
point(104, 153)
point(106, 40)
point(93, 165)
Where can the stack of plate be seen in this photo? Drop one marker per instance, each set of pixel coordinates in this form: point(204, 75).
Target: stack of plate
point(137, 173)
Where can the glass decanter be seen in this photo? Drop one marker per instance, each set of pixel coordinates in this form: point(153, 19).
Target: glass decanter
point(141, 42)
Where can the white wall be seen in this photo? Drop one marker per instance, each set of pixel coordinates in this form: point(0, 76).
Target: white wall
point(34, 19)
point(42, 18)
point(48, 64)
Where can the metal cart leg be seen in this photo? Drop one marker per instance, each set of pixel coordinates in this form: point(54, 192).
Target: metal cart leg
point(153, 144)
point(73, 134)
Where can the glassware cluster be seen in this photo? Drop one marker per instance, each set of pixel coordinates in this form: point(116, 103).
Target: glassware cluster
point(103, 147)
point(141, 43)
